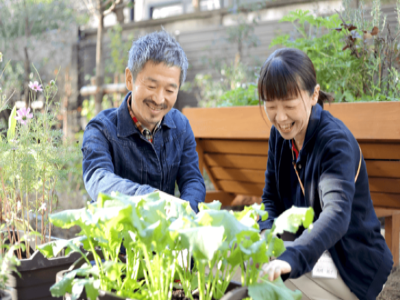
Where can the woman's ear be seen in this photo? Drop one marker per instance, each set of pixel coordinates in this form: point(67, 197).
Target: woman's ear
point(315, 95)
point(128, 79)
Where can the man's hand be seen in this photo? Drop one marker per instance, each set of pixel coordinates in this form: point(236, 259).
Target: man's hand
point(275, 268)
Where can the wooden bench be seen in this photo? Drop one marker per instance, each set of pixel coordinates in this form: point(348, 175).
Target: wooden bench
point(232, 144)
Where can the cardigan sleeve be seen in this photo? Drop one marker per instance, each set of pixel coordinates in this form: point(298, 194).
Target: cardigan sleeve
point(270, 195)
point(336, 189)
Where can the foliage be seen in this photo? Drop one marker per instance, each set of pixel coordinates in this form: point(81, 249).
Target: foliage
point(355, 61)
point(8, 261)
point(159, 234)
point(229, 78)
point(32, 160)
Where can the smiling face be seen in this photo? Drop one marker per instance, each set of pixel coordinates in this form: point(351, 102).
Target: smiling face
point(290, 116)
point(154, 92)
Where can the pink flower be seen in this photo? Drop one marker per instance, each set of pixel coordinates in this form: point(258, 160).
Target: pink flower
point(23, 115)
point(35, 86)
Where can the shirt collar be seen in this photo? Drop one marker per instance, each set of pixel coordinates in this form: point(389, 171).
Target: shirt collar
point(312, 127)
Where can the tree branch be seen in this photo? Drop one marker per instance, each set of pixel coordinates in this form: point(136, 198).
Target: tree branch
point(111, 9)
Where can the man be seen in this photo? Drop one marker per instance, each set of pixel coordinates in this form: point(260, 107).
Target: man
point(145, 145)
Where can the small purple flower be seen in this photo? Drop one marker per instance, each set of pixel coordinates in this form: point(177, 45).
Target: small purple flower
point(23, 115)
point(35, 86)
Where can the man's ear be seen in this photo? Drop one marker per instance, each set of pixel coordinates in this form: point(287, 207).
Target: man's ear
point(128, 79)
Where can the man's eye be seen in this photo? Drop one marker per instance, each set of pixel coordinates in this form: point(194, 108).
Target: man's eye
point(152, 87)
point(170, 92)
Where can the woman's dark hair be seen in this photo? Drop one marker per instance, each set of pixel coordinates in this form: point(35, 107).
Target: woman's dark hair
point(285, 73)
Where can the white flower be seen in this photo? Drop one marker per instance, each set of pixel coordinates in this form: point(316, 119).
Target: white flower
point(43, 207)
point(19, 206)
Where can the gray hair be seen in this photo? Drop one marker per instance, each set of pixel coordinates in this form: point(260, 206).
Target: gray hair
point(159, 47)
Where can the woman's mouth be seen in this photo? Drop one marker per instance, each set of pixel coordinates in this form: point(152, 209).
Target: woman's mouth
point(286, 128)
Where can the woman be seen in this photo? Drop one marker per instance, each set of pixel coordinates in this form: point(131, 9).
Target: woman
point(314, 160)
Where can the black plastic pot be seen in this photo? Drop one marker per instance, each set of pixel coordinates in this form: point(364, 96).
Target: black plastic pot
point(237, 293)
point(38, 275)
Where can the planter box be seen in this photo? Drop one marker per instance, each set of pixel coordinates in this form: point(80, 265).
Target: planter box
point(38, 275)
point(232, 144)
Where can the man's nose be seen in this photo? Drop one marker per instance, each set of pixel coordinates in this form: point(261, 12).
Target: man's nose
point(159, 97)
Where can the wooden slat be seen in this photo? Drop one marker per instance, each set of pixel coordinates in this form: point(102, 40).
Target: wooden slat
point(380, 150)
point(245, 175)
point(386, 169)
point(242, 188)
point(384, 212)
point(244, 122)
point(385, 200)
point(200, 153)
point(392, 225)
point(384, 185)
point(256, 162)
point(360, 118)
point(236, 147)
point(224, 197)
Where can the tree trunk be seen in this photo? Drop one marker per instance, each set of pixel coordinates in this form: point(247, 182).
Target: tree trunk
point(99, 61)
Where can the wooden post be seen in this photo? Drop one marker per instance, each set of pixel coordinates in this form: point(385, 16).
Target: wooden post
point(200, 153)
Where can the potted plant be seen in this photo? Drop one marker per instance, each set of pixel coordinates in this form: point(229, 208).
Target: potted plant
point(159, 234)
point(32, 159)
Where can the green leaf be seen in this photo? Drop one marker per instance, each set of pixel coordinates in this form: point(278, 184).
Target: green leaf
point(91, 286)
point(203, 242)
point(275, 246)
point(68, 218)
point(291, 219)
point(53, 248)
point(215, 205)
point(12, 123)
point(113, 270)
point(223, 218)
point(272, 290)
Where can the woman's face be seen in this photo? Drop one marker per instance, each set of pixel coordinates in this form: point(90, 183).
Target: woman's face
point(290, 116)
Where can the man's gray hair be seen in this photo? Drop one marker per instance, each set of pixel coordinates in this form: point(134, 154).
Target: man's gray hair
point(159, 47)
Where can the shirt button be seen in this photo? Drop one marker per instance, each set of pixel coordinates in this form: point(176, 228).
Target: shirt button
point(299, 166)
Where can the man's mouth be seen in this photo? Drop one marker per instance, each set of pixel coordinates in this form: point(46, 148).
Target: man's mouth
point(286, 127)
point(153, 107)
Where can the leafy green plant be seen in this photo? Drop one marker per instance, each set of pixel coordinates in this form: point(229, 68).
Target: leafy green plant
point(159, 234)
point(353, 60)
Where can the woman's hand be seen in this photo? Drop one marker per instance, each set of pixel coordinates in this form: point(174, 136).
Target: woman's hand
point(275, 268)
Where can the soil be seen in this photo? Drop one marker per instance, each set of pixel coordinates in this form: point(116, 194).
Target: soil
point(391, 291)
point(180, 295)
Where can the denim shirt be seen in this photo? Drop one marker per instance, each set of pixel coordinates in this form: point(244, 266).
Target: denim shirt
point(117, 157)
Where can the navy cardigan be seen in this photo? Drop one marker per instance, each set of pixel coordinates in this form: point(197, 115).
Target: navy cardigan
point(345, 221)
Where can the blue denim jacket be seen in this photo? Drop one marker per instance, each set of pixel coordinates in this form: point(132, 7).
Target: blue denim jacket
point(117, 157)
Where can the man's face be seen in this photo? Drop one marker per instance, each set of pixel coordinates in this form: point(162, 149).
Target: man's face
point(154, 92)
